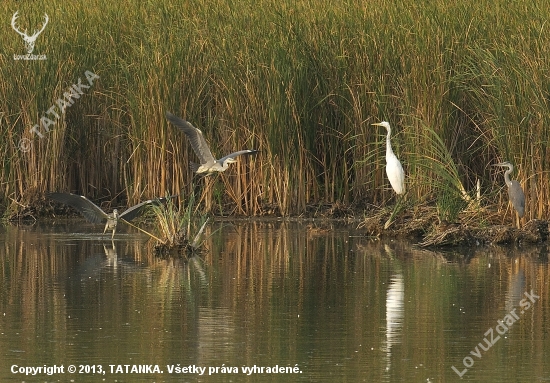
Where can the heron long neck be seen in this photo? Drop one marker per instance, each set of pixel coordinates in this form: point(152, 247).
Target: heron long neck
point(389, 151)
point(507, 175)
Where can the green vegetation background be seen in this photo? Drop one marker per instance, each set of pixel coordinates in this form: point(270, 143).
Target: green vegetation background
point(465, 84)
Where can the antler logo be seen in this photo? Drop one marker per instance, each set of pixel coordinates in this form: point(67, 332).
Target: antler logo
point(29, 40)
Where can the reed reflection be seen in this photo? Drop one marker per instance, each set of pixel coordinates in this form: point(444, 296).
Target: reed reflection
point(265, 293)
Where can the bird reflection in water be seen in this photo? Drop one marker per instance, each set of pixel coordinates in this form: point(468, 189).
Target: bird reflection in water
point(394, 310)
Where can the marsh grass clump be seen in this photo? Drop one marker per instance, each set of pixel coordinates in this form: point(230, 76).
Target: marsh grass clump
point(439, 170)
point(177, 230)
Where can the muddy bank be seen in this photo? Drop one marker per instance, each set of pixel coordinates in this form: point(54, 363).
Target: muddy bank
point(472, 228)
point(486, 225)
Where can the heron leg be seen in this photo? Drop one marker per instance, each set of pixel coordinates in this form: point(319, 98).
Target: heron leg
point(518, 223)
point(113, 235)
point(399, 203)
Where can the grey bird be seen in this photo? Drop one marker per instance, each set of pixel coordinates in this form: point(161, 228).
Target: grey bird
point(515, 192)
point(208, 164)
point(95, 214)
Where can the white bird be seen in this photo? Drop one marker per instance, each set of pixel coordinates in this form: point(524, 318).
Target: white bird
point(208, 164)
point(394, 170)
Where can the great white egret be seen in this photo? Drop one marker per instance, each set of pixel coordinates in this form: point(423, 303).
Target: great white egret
point(95, 214)
point(515, 192)
point(394, 170)
point(208, 164)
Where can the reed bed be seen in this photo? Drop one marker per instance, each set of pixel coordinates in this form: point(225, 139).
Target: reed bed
point(300, 80)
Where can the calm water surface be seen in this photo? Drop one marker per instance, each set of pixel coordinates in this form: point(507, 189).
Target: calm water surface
point(329, 306)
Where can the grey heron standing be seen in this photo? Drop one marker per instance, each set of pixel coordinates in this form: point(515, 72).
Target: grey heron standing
point(95, 214)
point(208, 164)
point(515, 192)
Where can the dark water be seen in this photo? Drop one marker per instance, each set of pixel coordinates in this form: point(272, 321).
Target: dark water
point(323, 306)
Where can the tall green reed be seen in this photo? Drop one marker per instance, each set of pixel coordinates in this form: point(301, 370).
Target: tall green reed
point(301, 81)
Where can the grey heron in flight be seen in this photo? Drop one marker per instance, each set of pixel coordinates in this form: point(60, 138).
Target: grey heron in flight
point(515, 192)
point(208, 164)
point(394, 170)
point(95, 214)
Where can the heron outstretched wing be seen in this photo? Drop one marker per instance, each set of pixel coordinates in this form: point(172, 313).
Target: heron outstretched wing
point(87, 208)
point(132, 212)
point(232, 156)
point(195, 136)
